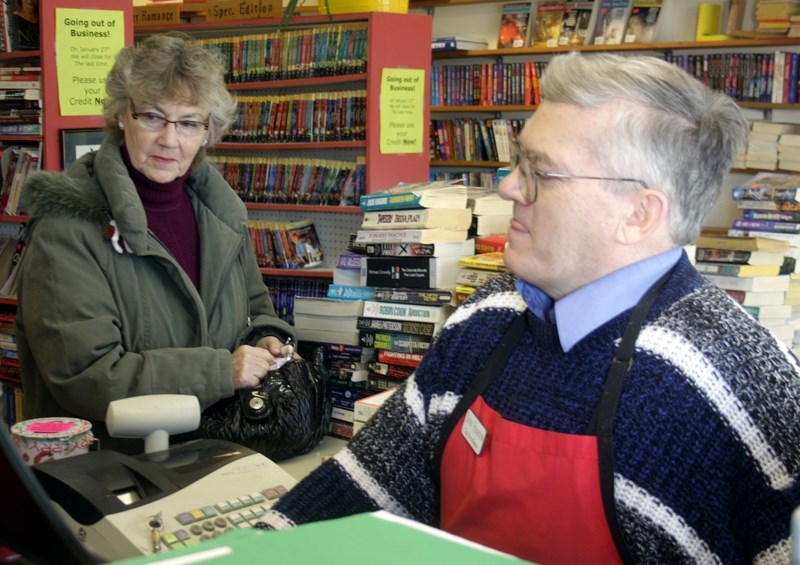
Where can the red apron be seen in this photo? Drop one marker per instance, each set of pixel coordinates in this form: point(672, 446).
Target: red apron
point(540, 495)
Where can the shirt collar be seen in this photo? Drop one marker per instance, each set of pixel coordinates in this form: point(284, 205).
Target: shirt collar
point(589, 307)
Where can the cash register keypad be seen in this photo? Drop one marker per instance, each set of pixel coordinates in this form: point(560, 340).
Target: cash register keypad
point(200, 524)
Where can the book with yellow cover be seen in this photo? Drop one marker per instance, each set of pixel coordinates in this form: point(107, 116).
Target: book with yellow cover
point(487, 261)
point(742, 243)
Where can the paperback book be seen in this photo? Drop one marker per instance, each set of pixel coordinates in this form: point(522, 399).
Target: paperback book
point(350, 292)
point(488, 261)
point(738, 257)
point(768, 186)
point(409, 272)
point(449, 249)
point(414, 295)
point(425, 329)
point(611, 21)
point(576, 28)
point(741, 243)
point(437, 194)
point(548, 22)
point(407, 312)
point(444, 218)
point(514, 22)
point(765, 283)
point(429, 235)
point(394, 341)
point(737, 270)
point(643, 21)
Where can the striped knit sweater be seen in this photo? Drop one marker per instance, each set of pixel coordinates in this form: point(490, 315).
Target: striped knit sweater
point(706, 436)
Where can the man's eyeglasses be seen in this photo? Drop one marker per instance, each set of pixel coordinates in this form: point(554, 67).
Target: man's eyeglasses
point(154, 122)
point(531, 176)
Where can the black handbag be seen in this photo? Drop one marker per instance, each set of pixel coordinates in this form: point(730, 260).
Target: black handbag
point(288, 414)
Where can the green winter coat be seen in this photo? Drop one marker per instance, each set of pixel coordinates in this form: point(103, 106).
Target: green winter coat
point(95, 325)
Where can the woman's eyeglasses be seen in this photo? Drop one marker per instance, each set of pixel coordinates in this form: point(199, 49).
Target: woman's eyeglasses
point(531, 176)
point(155, 122)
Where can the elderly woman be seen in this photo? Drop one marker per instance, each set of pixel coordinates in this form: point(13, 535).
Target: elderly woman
point(138, 276)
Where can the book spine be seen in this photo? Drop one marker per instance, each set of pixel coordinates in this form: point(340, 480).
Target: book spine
point(348, 292)
point(388, 236)
point(350, 349)
point(400, 249)
point(475, 277)
point(410, 312)
point(413, 296)
point(767, 225)
point(424, 329)
point(406, 219)
point(396, 342)
point(390, 371)
point(722, 256)
point(752, 193)
point(396, 201)
point(490, 244)
point(720, 269)
point(773, 216)
point(399, 358)
point(379, 383)
point(792, 238)
point(407, 272)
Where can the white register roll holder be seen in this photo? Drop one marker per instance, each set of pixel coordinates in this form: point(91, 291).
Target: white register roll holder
point(153, 417)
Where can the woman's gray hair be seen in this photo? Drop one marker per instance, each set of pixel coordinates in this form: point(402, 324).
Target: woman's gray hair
point(169, 68)
point(670, 130)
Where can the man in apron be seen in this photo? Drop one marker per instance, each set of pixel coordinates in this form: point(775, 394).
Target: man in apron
point(602, 403)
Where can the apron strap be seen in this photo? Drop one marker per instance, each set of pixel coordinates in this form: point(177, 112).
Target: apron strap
point(602, 422)
point(496, 360)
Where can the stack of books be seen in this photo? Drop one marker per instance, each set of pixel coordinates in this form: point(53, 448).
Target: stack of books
point(326, 320)
point(762, 149)
point(789, 151)
point(400, 325)
point(490, 214)
point(476, 270)
point(20, 100)
point(773, 17)
point(769, 223)
point(347, 368)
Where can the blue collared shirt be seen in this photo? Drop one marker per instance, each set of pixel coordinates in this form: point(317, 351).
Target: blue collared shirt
point(584, 310)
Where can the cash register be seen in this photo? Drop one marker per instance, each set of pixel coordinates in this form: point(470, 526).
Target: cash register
point(121, 506)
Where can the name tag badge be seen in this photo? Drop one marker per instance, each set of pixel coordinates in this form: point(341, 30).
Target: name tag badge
point(474, 432)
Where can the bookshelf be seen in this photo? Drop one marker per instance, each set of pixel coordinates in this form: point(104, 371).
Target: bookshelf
point(391, 41)
point(757, 110)
point(52, 120)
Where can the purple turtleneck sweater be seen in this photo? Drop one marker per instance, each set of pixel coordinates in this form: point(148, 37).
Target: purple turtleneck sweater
point(170, 217)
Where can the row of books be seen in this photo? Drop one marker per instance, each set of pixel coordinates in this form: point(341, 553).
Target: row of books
point(305, 117)
point(486, 84)
point(286, 245)
point(283, 291)
point(473, 139)
point(746, 77)
point(484, 179)
point(286, 180)
point(557, 23)
point(326, 50)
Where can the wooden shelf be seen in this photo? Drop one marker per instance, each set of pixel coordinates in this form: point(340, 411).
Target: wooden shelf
point(660, 46)
point(298, 273)
point(291, 83)
point(488, 109)
point(483, 164)
point(290, 146)
point(303, 208)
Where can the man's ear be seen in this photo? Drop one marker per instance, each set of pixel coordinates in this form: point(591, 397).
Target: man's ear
point(647, 216)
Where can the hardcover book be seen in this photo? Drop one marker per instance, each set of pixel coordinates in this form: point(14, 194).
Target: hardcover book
point(456, 43)
point(449, 249)
point(611, 21)
point(437, 194)
point(430, 235)
point(409, 272)
point(409, 312)
point(642, 23)
point(444, 218)
point(514, 22)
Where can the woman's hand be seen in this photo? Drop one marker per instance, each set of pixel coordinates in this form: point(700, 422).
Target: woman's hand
point(250, 365)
